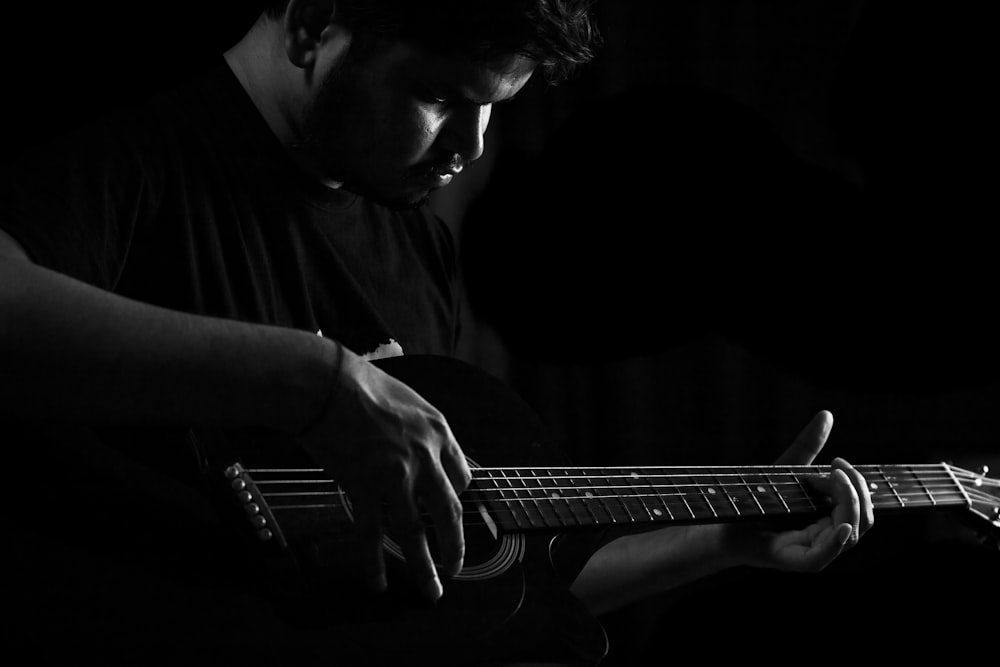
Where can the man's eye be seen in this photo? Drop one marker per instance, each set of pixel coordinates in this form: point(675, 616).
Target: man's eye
point(429, 96)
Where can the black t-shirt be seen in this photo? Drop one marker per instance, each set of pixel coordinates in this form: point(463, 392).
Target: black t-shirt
point(189, 202)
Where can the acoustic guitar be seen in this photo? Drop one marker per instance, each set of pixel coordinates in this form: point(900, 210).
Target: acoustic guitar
point(509, 603)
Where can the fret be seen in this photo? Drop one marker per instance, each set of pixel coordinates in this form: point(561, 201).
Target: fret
point(916, 488)
point(504, 510)
point(725, 485)
point(582, 491)
point(642, 495)
point(538, 495)
point(671, 493)
point(611, 491)
point(703, 493)
point(760, 491)
point(657, 492)
point(926, 489)
point(607, 501)
point(803, 490)
point(777, 493)
point(684, 497)
point(723, 505)
point(751, 494)
point(562, 498)
point(891, 487)
point(594, 501)
point(531, 511)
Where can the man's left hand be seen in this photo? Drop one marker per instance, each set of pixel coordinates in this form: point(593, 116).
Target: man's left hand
point(812, 548)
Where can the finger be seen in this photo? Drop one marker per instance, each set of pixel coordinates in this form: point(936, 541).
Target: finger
point(456, 467)
point(847, 507)
point(446, 514)
point(368, 533)
point(812, 548)
point(409, 532)
point(809, 441)
point(866, 509)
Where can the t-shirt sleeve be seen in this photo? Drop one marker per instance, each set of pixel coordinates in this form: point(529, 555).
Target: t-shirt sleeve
point(73, 205)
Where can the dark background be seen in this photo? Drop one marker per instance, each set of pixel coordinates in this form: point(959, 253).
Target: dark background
point(743, 212)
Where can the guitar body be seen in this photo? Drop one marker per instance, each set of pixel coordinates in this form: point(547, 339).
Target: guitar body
point(507, 604)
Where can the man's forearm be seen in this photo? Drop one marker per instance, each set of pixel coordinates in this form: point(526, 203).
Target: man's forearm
point(634, 567)
point(70, 351)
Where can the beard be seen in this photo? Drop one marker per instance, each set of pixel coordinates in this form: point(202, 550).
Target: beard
point(345, 136)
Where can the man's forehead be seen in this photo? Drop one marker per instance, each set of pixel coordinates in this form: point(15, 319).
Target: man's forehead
point(482, 83)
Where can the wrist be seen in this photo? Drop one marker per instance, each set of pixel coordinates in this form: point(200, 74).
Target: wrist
point(707, 546)
point(321, 381)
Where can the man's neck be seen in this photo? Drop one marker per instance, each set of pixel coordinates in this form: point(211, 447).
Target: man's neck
point(258, 62)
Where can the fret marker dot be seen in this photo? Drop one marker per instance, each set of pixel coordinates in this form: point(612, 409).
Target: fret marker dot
point(711, 490)
point(589, 494)
point(874, 486)
point(555, 494)
point(761, 489)
point(657, 511)
point(634, 475)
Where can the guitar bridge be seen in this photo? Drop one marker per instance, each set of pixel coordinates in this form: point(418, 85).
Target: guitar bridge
point(252, 501)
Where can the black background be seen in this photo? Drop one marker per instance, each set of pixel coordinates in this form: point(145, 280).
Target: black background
point(742, 213)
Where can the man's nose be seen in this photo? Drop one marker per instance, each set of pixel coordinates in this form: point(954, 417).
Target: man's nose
point(465, 131)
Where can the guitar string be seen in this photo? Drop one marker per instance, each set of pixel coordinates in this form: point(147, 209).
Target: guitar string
point(974, 494)
point(553, 522)
point(913, 496)
point(682, 470)
point(944, 497)
point(926, 488)
point(484, 473)
point(546, 517)
point(533, 491)
point(896, 494)
point(478, 475)
point(931, 484)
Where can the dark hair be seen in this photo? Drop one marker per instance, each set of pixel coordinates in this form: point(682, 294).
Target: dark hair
point(559, 35)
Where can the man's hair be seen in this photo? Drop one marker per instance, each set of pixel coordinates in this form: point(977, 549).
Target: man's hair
point(559, 35)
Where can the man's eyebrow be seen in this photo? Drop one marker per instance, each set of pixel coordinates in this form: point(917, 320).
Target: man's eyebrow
point(456, 92)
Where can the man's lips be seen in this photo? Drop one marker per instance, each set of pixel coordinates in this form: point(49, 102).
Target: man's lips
point(442, 174)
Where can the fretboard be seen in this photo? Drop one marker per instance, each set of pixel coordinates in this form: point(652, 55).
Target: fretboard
point(534, 499)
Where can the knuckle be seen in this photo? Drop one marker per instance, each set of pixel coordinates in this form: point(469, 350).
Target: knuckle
point(397, 470)
point(466, 480)
point(437, 423)
point(455, 512)
point(855, 502)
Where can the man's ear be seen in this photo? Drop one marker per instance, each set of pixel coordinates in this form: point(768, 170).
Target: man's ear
point(304, 23)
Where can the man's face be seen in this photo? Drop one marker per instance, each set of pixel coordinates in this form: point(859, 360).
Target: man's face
point(398, 123)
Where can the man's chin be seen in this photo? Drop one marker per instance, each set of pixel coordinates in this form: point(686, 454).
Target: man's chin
point(400, 201)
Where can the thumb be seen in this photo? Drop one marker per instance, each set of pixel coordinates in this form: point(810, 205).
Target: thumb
point(810, 441)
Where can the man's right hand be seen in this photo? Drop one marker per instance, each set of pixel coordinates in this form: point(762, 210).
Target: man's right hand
point(384, 443)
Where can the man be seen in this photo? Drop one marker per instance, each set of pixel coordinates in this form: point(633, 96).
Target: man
point(173, 268)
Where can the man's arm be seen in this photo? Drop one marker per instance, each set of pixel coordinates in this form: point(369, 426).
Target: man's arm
point(73, 352)
point(633, 567)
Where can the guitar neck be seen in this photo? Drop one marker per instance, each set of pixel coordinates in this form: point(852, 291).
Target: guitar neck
point(533, 499)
